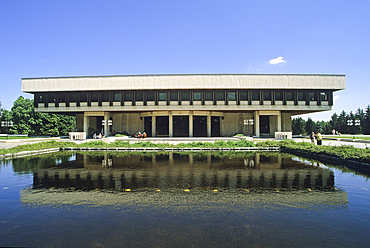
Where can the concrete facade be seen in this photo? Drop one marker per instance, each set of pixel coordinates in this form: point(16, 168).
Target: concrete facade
point(185, 105)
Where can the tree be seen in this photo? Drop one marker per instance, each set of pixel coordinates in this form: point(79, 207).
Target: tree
point(23, 116)
point(298, 126)
point(310, 126)
point(366, 124)
point(27, 121)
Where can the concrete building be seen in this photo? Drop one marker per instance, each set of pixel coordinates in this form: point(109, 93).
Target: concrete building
point(185, 105)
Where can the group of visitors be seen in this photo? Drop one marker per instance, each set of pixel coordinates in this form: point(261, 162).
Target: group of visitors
point(99, 136)
point(316, 137)
point(140, 135)
point(335, 132)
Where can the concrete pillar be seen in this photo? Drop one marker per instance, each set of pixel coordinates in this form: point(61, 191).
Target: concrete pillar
point(191, 124)
point(278, 122)
point(209, 125)
point(86, 125)
point(170, 125)
point(154, 125)
point(257, 123)
point(106, 127)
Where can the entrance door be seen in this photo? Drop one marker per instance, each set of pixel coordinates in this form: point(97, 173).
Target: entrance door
point(99, 126)
point(162, 125)
point(215, 126)
point(148, 126)
point(265, 125)
point(180, 126)
point(200, 126)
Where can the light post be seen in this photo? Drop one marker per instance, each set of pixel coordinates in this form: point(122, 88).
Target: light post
point(6, 124)
point(356, 123)
point(249, 122)
point(105, 123)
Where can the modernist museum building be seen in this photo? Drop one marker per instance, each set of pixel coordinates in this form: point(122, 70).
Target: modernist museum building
point(204, 105)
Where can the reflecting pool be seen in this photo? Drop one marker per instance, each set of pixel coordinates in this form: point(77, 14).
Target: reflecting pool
point(229, 199)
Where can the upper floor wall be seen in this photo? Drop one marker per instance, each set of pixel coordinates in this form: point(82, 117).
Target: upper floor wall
point(177, 82)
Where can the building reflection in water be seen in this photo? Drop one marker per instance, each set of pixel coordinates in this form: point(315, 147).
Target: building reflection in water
point(117, 171)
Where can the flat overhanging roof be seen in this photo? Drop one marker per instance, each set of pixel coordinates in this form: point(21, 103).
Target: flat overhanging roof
point(186, 81)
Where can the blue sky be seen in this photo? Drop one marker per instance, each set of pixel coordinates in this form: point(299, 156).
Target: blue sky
point(88, 38)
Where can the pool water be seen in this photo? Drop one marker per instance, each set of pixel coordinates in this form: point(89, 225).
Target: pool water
point(70, 199)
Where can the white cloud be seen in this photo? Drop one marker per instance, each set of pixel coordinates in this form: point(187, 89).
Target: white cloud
point(336, 97)
point(277, 60)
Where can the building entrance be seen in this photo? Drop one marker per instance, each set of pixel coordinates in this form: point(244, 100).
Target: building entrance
point(148, 126)
point(215, 126)
point(99, 126)
point(200, 126)
point(180, 126)
point(162, 125)
point(265, 125)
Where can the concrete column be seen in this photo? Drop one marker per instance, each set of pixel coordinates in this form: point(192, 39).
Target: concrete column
point(86, 125)
point(278, 122)
point(209, 125)
point(191, 124)
point(170, 125)
point(106, 127)
point(154, 127)
point(257, 123)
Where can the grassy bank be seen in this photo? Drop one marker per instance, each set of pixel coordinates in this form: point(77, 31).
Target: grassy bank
point(342, 152)
point(120, 143)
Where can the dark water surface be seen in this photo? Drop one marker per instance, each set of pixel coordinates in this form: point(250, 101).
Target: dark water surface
point(181, 200)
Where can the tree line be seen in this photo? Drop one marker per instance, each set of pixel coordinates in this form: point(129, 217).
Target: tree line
point(349, 123)
point(26, 121)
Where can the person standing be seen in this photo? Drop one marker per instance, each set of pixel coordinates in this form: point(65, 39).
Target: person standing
point(312, 137)
point(319, 138)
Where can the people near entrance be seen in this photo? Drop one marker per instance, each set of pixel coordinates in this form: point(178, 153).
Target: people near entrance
point(334, 132)
point(140, 135)
point(319, 138)
point(312, 137)
point(94, 136)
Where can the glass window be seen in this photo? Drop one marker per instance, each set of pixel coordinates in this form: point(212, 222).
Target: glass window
point(289, 96)
point(51, 98)
point(150, 95)
point(83, 97)
point(62, 97)
point(162, 96)
point(139, 96)
point(278, 95)
point(231, 96)
point(197, 96)
point(117, 96)
point(243, 95)
point(105, 97)
point(94, 96)
point(301, 96)
point(267, 95)
point(174, 95)
point(128, 96)
point(208, 95)
point(323, 96)
point(311, 96)
point(220, 95)
point(41, 98)
point(255, 95)
point(185, 95)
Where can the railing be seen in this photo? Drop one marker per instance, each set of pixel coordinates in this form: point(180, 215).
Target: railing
point(283, 135)
point(77, 135)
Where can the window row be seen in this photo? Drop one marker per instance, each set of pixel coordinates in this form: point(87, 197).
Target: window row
point(186, 95)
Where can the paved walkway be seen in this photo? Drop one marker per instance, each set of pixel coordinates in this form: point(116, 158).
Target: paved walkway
point(188, 140)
